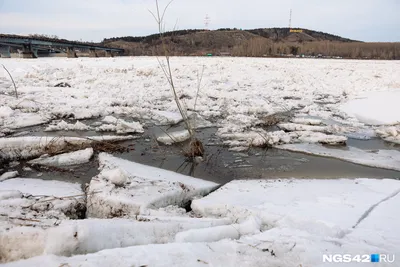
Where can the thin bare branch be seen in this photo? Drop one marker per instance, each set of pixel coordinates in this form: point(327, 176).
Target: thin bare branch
point(165, 9)
point(15, 87)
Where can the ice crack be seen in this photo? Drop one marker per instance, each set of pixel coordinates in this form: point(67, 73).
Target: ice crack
point(366, 213)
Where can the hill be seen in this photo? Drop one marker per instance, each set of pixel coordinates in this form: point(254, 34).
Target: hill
point(256, 42)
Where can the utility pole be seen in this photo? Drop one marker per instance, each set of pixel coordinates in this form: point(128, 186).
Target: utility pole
point(290, 19)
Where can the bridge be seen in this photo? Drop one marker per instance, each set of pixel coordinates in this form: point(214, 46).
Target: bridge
point(32, 46)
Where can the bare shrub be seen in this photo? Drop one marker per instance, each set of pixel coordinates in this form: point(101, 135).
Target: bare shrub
point(195, 146)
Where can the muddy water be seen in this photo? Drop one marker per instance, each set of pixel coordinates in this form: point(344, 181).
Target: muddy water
point(220, 164)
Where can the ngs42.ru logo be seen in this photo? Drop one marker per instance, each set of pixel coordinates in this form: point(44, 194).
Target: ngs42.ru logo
point(344, 258)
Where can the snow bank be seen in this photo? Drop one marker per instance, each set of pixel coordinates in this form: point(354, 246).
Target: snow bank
point(67, 159)
point(174, 137)
point(386, 159)
point(64, 126)
point(125, 188)
point(28, 147)
point(375, 108)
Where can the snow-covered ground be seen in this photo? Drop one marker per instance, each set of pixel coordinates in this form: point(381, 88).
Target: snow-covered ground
point(328, 100)
point(136, 215)
point(247, 87)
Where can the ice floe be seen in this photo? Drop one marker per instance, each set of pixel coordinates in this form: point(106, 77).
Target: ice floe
point(29, 147)
point(169, 138)
point(126, 189)
point(66, 159)
point(376, 108)
point(386, 159)
point(64, 126)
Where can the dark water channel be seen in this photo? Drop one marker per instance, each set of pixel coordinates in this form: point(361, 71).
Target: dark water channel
point(220, 164)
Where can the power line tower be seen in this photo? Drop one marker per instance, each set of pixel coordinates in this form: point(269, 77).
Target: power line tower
point(207, 22)
point(290, 19)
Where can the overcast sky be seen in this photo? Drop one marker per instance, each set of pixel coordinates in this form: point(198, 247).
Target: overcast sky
point(93, 20)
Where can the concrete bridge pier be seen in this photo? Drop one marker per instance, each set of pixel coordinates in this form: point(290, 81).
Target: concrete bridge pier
point(28, 52)
point(71, 52)
point(92, 53)
point(109, 54)
point(5, 51)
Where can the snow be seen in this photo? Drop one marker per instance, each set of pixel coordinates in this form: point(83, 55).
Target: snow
point(386, 159)
point(375, 108)
point(315, 137)
point(29, 147)
point(110, 119)
point(302, 127)
point(290, 222)
point(116, 176)
point(244, 223)
point(125, 188)
point(306, 121)
point(224, 253)
point(66, 159)
point(8, 175)
point(235, 93)
point(129, 127)
point(173, 137)
point(22, 119)
point(27, 207)
point(64, 126)
point(41, 187)
point(389, 134)
point(5, 111)
point(166, 117)
point(120, 126)
point(73, 237)
point(212, 234)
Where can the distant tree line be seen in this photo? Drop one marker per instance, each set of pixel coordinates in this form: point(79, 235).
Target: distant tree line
point(150, 38)
point(254, 43)
point(258, 47)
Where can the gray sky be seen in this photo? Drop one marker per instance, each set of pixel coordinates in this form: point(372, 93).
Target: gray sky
point(93, 20)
